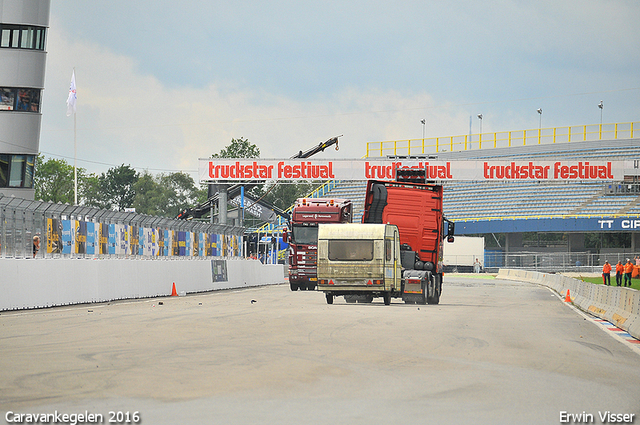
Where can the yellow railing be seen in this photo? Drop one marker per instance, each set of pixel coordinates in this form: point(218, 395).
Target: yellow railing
point(503, 139)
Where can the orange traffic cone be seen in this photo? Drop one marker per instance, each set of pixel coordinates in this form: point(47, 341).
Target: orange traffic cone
point(173, 291)
point(567, 298)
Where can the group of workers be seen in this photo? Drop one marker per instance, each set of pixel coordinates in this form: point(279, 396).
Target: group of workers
point(621, 269)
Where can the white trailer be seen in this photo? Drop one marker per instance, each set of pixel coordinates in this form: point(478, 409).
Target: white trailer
point(463, 252)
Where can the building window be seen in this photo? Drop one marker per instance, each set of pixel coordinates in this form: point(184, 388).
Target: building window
point(22, 37)
point(29, 169)
point(24, 100)
point(16, 170)
point(4, 170)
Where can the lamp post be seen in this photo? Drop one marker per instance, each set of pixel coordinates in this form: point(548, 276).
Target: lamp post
point(480, 134)
point(540, 125)
point(601, 106)
point(424, 125)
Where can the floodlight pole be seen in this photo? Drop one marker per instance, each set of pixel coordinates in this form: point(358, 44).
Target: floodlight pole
point(480, 135)
point(601, 106)
point(540, 122)
point(540, 125)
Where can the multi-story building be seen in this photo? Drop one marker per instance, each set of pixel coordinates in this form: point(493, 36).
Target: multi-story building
point(23, 36)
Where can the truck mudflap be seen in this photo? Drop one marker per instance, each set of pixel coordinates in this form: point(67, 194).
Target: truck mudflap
point(421, 287)
point(417, 285)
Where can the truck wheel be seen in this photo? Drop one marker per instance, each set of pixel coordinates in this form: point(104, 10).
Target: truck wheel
point(294, 287)
point(329, 298)
point(387, 298)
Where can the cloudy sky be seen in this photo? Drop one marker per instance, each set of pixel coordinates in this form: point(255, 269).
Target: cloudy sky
point(161, 83)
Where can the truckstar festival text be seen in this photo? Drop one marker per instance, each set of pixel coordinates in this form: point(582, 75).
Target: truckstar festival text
point(361, 170)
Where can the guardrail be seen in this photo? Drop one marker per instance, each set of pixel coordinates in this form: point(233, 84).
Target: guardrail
point(503, 139)
point(620, 306)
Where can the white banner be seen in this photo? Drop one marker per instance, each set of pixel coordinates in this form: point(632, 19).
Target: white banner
point(212, 170)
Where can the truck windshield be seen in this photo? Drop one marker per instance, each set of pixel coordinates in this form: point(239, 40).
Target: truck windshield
point(305, 235)
point(350, 250)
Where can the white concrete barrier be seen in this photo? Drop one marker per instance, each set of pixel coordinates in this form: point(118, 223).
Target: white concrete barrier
point(618, 305)
point(28, 283)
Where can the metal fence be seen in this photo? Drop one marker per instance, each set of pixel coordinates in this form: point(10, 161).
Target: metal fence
point(68, 231)
point(552, 262)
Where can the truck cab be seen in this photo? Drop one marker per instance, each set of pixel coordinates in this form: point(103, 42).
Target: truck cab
point(302, 236)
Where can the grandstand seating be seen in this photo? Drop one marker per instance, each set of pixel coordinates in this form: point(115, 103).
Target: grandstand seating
point(485, 200)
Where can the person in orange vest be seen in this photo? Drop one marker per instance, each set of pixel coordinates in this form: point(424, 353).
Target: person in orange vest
point(619, 271)
point(606, 273)
point(628, 269)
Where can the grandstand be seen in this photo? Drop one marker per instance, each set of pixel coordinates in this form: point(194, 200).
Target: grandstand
point(501, 200)
point(512, 208)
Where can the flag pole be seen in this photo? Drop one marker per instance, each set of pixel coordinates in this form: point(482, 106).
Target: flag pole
point(75, 157)
point(75, 146)
point(71, 108)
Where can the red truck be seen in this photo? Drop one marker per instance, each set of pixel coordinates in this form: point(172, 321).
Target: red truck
point(302, 236)
point(395, 253)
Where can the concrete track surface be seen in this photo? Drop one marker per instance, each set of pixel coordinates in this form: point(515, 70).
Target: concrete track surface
point(492, 352)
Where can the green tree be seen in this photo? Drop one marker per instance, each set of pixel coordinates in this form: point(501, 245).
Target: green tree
point(242, 148)
point(117, 186)
point(239, 148)
point(181, 192)
point(92, 194)
point(120, 187)
point(166, 194)
point(53, 180)
point(149, 195)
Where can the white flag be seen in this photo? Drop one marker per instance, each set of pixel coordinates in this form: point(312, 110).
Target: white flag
point(73, 98)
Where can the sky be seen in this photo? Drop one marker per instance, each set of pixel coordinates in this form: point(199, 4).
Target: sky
point(161, 84)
